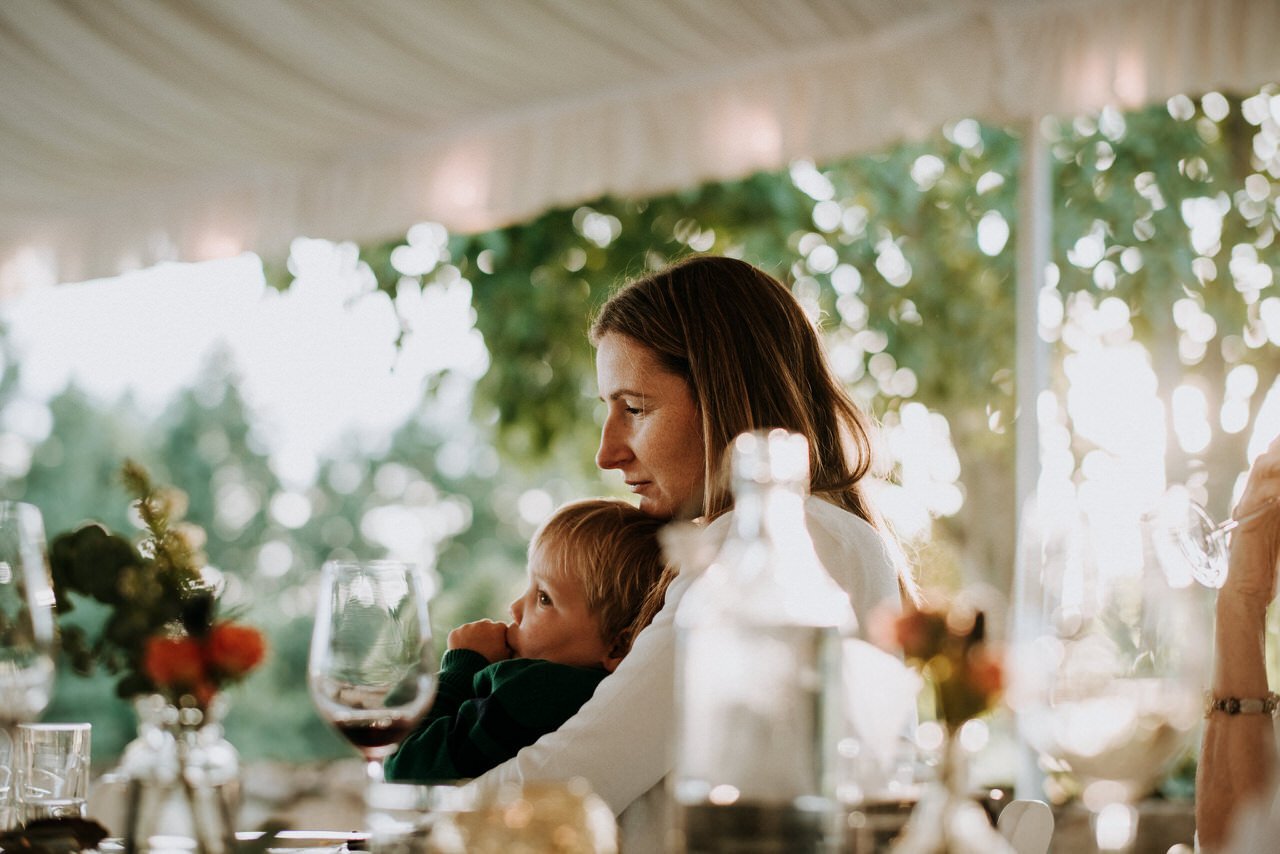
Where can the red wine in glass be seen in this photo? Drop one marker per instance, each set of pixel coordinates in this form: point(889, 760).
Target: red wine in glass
point(375, 739)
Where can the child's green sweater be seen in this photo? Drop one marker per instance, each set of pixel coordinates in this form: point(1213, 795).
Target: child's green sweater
point(484, 713)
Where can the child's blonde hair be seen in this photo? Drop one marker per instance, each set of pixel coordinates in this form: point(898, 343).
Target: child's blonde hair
point(612, 549)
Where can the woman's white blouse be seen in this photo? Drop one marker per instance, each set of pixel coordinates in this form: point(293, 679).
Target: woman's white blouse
point(622, 740)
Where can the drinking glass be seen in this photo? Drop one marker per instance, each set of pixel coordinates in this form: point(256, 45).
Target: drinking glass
point(1198, 538)
point(26, 631)
point(1109, 661)
point(51, 771)
point(371, 669)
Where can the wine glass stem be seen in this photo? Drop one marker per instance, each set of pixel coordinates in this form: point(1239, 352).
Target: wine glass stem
point(1115, 827)
point(373, 771)
point(1231, 524)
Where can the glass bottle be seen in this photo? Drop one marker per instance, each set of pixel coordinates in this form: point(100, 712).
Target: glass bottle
point(758, 671)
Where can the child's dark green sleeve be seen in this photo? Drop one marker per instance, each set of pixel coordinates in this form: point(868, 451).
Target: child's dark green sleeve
point(455, 684)
point(513, 703)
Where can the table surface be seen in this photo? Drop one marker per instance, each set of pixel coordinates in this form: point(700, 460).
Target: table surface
point(311, 841)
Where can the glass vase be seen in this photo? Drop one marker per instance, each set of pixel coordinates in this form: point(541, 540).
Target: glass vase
point(946, 820)
point(183, 779)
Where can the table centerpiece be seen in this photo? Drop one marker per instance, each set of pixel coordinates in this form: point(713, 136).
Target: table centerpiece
point(173, 652)
point(946, 641)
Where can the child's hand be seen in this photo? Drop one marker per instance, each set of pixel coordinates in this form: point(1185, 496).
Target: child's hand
point(483, 636)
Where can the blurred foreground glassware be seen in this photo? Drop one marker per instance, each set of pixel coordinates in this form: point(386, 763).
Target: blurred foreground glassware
point(1194, 535)
point(759, 692)
point(26, 632)
point(51, 770)
point(400, 818)
point(536, 818)
point(1109, 661)
point(371, 669)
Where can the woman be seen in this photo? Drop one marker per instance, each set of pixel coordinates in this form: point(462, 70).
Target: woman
point(686, 359)
point(1238, 755)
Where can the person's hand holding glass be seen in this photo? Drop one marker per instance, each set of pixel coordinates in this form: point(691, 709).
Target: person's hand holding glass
point(26, 631)
point(1186, 528)
point(372, 668)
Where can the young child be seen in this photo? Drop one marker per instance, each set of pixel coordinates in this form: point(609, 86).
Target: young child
point(593, 566)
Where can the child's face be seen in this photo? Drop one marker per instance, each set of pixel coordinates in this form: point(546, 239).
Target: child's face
point(551, 620)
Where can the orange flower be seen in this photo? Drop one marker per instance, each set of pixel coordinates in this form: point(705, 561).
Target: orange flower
point(921, 634)
point(173, 662)
point(986, 673)
point(234, 650)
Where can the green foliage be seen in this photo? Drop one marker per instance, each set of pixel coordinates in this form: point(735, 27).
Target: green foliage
point(938, 329)
point(145, 590)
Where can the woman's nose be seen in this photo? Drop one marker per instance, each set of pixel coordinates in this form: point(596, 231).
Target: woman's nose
point(614, 451)
point(515, 608)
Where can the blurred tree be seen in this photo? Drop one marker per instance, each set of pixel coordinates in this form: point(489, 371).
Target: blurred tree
point(89, 440)
point(207, 448)
point(74, 477)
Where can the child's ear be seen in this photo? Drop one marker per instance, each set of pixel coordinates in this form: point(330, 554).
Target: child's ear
point(621, 644)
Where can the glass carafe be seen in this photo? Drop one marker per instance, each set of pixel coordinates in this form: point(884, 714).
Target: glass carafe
point(758, 680)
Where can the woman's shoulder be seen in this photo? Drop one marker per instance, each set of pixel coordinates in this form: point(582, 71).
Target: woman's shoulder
point(829, 525)
point(852, 531)
point(859, 557)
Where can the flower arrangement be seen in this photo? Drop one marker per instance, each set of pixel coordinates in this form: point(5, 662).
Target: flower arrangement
point(947, 644)
point(162, 633)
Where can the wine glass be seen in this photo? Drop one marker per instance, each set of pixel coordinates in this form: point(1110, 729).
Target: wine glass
point(371, 669)
point(1197, 538)
point(1108, 661)
point(26, 631)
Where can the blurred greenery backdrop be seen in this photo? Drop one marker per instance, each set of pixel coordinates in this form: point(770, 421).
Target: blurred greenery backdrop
point(1163, 245)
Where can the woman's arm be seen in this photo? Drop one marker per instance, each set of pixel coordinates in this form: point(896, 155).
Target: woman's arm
point(1238, 755)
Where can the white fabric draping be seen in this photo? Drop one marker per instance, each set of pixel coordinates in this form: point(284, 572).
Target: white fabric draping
point(134, 131)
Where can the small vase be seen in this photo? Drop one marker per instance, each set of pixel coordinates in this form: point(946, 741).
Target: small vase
point(183, 778)
point(946, 820)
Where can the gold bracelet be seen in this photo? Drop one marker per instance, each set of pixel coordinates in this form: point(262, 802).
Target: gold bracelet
point(1267, 705)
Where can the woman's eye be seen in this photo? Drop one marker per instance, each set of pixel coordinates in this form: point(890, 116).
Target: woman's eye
point(544, 599)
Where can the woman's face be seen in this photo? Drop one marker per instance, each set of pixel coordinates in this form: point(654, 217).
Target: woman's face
point(653, 431)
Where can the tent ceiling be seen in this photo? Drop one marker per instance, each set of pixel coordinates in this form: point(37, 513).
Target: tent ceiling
point(133, 131)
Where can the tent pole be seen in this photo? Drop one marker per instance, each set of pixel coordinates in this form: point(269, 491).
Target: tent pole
point(1031, 369)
